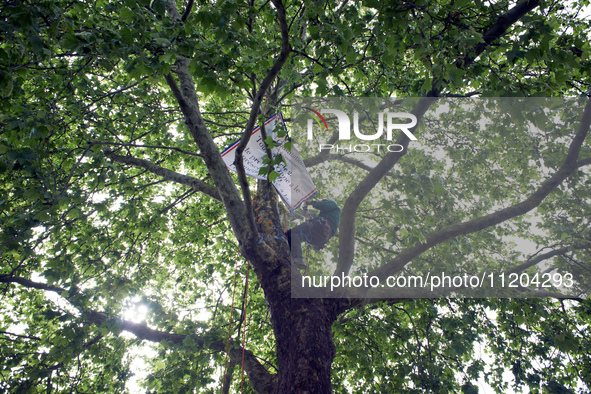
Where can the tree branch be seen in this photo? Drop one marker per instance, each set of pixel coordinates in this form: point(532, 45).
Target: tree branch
point(584, 162)
point(261, 379)
point(20, 336)
point(347, 226)
point(187, 10)
point(227, 378)
point(312, 161)
point(499, 28)
point(538, 259)
point(186, 97)
point(147, 147)
point(254, 112)
point(167, 174)
point(323, 156)
point(569, 165)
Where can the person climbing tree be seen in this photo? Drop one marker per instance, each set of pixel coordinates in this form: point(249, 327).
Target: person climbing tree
point(316, 232)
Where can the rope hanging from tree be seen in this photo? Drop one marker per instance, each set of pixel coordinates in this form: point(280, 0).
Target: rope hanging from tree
point(243, 328)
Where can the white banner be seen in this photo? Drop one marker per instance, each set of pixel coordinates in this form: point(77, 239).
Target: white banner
point(293, 184)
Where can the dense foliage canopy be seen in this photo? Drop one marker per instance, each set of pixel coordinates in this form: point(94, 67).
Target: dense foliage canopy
point(124, 239)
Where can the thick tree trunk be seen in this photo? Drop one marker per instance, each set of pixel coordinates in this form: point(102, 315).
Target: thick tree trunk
point(305, 348)
point(302, 327)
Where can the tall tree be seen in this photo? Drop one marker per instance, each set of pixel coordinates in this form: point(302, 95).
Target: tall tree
point(115, 196)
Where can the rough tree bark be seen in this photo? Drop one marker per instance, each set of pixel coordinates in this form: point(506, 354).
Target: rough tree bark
point(302, 327)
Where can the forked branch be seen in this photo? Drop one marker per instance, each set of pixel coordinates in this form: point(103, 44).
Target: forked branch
point(569, 165)
point(186, 96)
point(347, 227)
point(254, 112)
point(167, 175)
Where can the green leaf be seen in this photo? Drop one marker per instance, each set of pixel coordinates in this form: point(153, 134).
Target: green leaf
point(273, 175)
point(43, 216)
